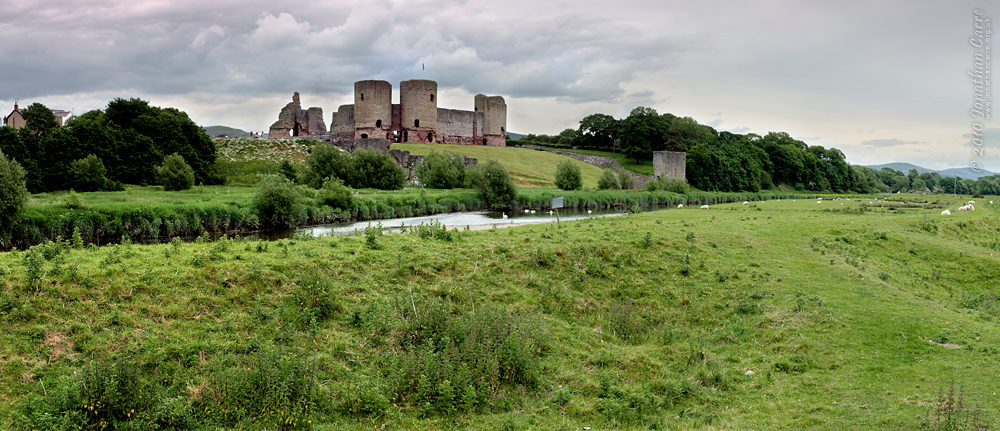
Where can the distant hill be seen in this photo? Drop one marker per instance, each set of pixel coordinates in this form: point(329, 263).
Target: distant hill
point(214, 131)
point(515, 136)
point(964, 173)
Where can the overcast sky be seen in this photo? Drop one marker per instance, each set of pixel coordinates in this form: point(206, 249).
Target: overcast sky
point(883, 81)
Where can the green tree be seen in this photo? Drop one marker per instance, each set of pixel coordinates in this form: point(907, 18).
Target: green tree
point(441, 171)
point(372, 168)
point(277, 201)
point(327, 161)
point(175, 174)
point(597, 131)
point(568, 176)
point(495, 184)
point(335, 194)
point(918, 185)
point(90, 175)
point(288, 171)
point(13, 192)
point(39, 119)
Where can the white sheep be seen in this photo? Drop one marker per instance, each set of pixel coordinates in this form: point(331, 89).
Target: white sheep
point(704, 207)
point(945, 212)
point(972, 207)
point(972, 202)
point(745, 202)
point(963, 208)
point(680, 206)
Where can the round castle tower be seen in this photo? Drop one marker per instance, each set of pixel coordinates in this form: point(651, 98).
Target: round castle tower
point(418, 100)
point(372, 109)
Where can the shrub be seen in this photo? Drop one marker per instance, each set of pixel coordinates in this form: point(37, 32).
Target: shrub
point(175, 173)
point(676, 185)
point(90, 175)
point(375, 169)
point(495, 185)
point(441, 171)
point(288, 171)
point(276, 200)
point(13, 192)
point(327, 161)
point(568, 176)
point(608, 180)
point(335, 194)
point(625, 180)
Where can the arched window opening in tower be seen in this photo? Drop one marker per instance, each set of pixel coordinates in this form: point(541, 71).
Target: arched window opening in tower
point(365, 136)
point(430, 137)
point(432, 98)
point(416, 123)
point(378, 123)
point(362, 96)
point(484, 141)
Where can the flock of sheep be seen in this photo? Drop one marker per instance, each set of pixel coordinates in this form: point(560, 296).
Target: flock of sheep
point(967, 207)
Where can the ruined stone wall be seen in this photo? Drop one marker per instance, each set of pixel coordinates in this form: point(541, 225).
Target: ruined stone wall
point(418, 98)
point(342, 124)
point(372, 109)
point(456, 127)
point(314, 120)
point(293, 121)
point(669, 164)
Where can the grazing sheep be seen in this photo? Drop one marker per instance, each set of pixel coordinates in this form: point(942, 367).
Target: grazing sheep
point(972, 207)
point(704, 207)
point(745, 202)
point(965, 208)
point(819, 202)
point(680, 206)
point(945, 212)
point(972, 202)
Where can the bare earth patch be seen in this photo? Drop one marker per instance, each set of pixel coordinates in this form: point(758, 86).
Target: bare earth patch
point(945, 345)
point(60, 345)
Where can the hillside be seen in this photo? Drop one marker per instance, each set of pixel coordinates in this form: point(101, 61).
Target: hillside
point(213, 131)
point(771, 315)
point(529, 168)
point(964, 173)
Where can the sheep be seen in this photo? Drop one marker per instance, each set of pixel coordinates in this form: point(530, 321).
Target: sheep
point(945, 213)
point(972, 202)
point(972, 207)
point(680, 205)
point(745, 202)
point(704, 207)
point(965, 208)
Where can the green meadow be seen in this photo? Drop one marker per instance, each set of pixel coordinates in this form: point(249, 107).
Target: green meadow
point(528, 168)
point(778, 314)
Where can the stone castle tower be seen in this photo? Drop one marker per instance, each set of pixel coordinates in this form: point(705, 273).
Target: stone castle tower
point(417, 118)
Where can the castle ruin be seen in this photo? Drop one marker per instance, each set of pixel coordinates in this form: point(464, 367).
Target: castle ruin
point(415, 119)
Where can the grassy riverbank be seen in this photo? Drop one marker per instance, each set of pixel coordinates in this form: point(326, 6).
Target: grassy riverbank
point(148, 213)
point(771, 315)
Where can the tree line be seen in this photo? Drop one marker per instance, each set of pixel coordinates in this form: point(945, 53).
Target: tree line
point(125, 143)
point(733, 162)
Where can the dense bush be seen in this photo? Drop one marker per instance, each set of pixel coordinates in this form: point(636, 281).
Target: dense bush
point(568, 176)
point(327, 161)
point(372, 168)
point(13, 192)
point(335, 194)
point(276, 200)
point(288, 171)
point(441, 171)
point(175, 174)
point(495, 184)
point(90, 175)
point(676, 185)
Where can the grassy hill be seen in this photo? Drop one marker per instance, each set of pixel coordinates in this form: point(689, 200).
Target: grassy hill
point(785, 314)
point(529, 168)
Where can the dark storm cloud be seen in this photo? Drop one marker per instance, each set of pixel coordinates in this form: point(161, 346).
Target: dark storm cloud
point(167, 48)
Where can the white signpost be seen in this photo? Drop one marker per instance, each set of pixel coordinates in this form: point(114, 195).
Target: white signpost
point(556, 204)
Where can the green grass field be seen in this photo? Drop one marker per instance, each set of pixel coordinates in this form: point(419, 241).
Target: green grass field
point(644, 167)
point(528, 168)
point(787, 314)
